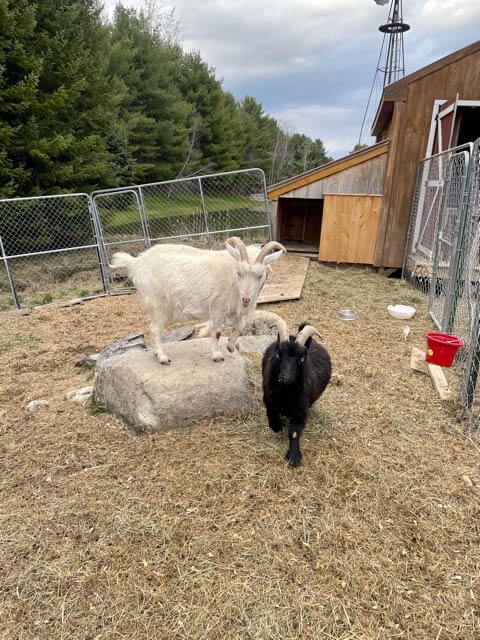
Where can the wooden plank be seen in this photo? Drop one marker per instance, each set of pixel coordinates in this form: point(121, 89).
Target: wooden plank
point(287, 287)
point(439, 381)
point(398, 115)
point(417, 360)
point(349, 228)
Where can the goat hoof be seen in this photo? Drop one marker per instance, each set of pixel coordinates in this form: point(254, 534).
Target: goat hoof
point(293, 458)
point(164, 360)
point(218, 357)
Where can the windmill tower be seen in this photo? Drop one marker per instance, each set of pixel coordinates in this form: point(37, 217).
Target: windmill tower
point(391, 64)
point(394, 66)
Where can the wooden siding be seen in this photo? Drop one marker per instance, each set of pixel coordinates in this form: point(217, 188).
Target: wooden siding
point(329, 169)
point(366, 177)
point(409, 135)
point(349, 228)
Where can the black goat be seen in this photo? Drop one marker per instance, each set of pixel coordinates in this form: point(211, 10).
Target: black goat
point(295, 372)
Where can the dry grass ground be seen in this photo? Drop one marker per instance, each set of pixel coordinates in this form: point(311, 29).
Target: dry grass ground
point(206, 533)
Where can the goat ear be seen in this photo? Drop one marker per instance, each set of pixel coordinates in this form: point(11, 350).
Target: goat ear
point(234, 252)
point(273, 257)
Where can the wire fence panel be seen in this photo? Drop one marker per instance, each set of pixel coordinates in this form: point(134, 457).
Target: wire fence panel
point(443, 257)
point(236, 204)
point(469, 272)
point(425, 212)
point(121, 227)
point(59, 247)
point(174, 210)
point(445, 297)
point(49, 250)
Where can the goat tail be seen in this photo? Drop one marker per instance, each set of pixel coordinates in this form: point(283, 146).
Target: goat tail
point(122, 260)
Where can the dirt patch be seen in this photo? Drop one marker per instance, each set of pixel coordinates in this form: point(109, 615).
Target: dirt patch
point(207, 533)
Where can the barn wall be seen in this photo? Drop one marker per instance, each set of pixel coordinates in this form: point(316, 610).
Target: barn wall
point(461, 76)
point(349, 228)
point(366, 177)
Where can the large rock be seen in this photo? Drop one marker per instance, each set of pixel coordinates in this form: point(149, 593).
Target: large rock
point(150, 397)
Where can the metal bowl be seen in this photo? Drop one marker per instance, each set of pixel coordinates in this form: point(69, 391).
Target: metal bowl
point(346, 314)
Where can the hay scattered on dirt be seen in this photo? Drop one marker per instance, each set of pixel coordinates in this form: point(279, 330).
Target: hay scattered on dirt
point(206, 533)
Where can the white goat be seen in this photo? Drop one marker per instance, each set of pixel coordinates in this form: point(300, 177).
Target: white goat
point(177, 283)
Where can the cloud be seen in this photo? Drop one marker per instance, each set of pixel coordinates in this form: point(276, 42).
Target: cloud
point(313, 61)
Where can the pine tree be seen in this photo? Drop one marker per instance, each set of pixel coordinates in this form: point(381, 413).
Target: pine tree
point(158, 128)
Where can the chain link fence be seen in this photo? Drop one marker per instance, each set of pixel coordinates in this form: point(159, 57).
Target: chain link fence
point(469, 286)
point(202, 211)
point(48, 250)
point(442, 256)
point(55, 248)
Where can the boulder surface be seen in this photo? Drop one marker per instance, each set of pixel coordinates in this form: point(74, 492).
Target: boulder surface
point(152, 397)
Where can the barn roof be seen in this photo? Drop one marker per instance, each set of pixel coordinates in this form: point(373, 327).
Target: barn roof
point(324, 170)
point(397, 91)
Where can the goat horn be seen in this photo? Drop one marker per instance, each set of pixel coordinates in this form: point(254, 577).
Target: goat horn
point(307, 332)
point(267, 248)
point(283, 330)
point(238, 243)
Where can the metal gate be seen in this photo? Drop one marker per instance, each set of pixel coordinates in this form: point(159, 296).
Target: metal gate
point(444, 288)
point(202, 211)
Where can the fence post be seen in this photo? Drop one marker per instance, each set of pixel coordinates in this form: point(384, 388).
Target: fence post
point(267, 205)
point(204, 211)
point(9, 276)
point(144, 219)
point(472, 363)
point(96, 236)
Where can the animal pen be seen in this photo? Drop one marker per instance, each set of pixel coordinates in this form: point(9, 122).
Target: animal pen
point(58, 247)
point(442, 256)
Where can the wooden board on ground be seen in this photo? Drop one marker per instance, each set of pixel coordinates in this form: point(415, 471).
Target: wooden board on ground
point(286, 280)
point(439, 381)
point(418, 362)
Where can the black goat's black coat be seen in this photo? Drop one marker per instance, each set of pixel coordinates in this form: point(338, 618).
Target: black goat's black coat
point(294, 377)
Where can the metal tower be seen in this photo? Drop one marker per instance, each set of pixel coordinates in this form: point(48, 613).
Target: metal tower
point(394, 65)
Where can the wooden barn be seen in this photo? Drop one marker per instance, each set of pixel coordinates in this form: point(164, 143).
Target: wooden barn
point(357, 209)
point(433, 109)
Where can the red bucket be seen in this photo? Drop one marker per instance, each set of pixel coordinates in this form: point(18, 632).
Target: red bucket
point(441, 348)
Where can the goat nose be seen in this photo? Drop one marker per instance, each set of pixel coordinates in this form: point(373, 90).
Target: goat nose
point(246, 300)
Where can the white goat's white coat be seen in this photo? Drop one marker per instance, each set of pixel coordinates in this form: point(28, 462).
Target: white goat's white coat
point(179, 283)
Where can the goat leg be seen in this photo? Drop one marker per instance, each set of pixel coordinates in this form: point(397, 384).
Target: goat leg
point(157, 323)
point(273, 418)
point(294, 455)
point(237, 328)
point(215, 332)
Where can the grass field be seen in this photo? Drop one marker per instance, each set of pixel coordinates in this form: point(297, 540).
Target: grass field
point(205, 533)
point(118, 211)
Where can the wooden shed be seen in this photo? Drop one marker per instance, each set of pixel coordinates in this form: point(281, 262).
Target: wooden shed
point(428, 111)
point(333, 210)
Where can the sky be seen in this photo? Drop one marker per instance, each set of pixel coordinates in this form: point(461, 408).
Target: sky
point(311, 63)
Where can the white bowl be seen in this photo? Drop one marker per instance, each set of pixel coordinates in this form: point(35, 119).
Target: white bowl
point(401, 311)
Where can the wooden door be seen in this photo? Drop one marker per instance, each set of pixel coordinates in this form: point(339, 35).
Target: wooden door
point(349, 228)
